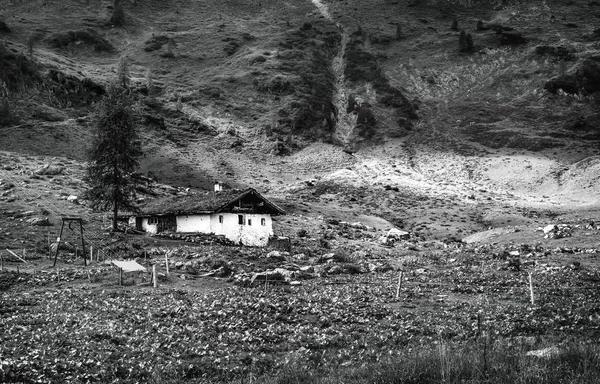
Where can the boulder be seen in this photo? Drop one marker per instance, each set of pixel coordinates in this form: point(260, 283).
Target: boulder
point(545, 353)
point(277, 274)
point(48, 169)
point(335, 270)
point(559, 231)
point(73, 199)
point(327, 257)
point(549, 228)
point(300, 256)
point(307, 269)
point(398, 234)
point(39, 221)
point(277, 255)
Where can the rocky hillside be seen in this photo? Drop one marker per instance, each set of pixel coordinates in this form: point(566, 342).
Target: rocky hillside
point(379, 112)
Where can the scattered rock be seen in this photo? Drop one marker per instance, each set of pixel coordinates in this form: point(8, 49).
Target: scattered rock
point(398, 234)
point(48, 169)
point(557, 231)
point(73, 199)
point(300, 256)
point(39, 221)
point(545, 352)
point(392, 236)
point(277, 255)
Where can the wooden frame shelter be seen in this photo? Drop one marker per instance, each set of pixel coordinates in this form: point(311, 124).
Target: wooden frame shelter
point(70, 220)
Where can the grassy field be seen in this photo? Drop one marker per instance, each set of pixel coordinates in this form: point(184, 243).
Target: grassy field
point(460, 314)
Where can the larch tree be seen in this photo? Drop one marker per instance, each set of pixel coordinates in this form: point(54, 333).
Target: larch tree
point(115, 152)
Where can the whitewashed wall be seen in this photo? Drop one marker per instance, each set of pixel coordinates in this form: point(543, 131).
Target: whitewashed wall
point(256, 235)
point(252, 235)
point(150, 228)
point(194, 223)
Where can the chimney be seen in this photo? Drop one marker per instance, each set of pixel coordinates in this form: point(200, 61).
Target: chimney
point(218, 186)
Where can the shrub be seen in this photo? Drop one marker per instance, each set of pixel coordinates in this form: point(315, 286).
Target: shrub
point(17, 70)
point(118, 16)
point(87, 35)
point(465, 42)
point(470, 45)
point(5, 113)
point(454, 26)
point(398, 32)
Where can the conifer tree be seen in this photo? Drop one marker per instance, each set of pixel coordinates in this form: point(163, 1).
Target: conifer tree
point(454, 26)
point(118, 16)
point(462, 42)
point(115, 151)
point(470, 44)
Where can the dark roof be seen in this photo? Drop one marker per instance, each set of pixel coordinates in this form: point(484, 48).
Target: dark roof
point(204, 202)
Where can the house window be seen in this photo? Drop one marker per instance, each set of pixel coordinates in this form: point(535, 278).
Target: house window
point(220, 219)
point(249, 221)
point(263, 222)
point(152, 220)
point(241, 219)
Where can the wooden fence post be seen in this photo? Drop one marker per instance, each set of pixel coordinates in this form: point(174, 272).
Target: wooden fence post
point(154, 276)
point(399, 285)
point(120, 276)
point(167, 263)
point(1, 263)
point(531, 289)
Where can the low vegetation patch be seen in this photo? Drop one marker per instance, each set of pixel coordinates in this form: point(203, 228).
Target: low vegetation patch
point(88, 36)
point(156, 42)
point(362, 67)
point(305, 80)
point(72, 90)
point(17, 70)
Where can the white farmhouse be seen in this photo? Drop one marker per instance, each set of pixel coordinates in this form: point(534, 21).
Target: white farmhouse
point(242, 216)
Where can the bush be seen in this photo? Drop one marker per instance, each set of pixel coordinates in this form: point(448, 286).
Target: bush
point(454, 26)
point(118, 16)
point(462, 41)
point(17, 70)
point(88, 36)
point(5, 113)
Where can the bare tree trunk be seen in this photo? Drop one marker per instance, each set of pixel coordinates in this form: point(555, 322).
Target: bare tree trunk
point(115, 213)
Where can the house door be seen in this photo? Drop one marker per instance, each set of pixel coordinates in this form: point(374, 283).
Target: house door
point(138, 224)
point(166, 224)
